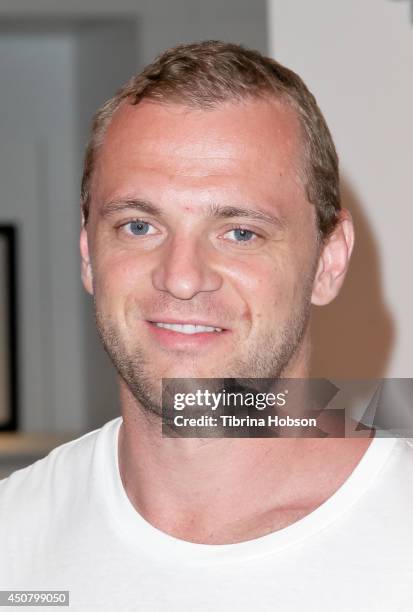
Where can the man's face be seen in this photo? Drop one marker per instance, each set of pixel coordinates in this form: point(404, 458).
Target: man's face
point(198, 217)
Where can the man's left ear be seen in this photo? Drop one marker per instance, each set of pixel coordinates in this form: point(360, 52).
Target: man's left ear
point(334, 260)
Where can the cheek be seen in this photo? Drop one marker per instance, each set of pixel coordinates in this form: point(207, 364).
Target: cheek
point(266, 287)
point(119, 278)
point(274, 287)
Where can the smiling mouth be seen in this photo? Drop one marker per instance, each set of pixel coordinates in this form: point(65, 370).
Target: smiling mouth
point(186, 328)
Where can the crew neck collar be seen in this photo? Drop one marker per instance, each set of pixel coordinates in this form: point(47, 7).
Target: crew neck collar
point(139, 533)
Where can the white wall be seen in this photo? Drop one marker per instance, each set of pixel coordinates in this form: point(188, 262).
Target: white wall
point(357, 58)
point(38, 138)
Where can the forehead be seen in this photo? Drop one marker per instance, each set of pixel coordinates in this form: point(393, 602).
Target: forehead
point(256, 140)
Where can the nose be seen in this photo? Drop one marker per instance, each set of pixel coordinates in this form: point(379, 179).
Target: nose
point(184, 269)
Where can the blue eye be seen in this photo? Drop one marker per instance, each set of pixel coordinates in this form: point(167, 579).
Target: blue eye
point(139, 228)
point(242, 235)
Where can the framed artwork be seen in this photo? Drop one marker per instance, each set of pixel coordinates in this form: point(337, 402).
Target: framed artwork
point(8, 329)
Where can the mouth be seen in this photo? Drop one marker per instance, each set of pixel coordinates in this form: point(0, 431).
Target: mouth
point(188, 328)
point(184, 335)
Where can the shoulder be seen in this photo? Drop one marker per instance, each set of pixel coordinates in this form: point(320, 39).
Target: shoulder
point(403, 455)
point(46, 505)
point(56, 477)
point(403, 450)
point(396, 473)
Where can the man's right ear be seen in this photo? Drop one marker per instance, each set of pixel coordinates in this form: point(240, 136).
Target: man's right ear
point(86, 266)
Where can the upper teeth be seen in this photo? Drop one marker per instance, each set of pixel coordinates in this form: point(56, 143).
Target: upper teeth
point(188, 329)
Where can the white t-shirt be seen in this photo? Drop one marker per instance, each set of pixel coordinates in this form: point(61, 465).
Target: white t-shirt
point(66, 523)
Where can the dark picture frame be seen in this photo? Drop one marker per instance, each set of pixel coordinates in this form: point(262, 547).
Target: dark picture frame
point(8, 328)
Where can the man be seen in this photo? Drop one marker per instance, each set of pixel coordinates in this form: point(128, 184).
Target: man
point(211, 223)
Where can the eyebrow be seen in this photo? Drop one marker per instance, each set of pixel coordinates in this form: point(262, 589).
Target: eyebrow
point(226, 212)
point(213, 210)
point(111, 208)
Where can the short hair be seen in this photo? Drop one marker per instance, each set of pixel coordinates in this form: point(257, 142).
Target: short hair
point(205, 74)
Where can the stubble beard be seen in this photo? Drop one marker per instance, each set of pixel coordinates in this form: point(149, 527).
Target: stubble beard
point(269, 357)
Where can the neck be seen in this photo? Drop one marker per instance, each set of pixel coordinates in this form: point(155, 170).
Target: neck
point(226, 490)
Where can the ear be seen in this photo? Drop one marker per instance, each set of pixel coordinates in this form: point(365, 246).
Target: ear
point(86, 266)
point(334, 261)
